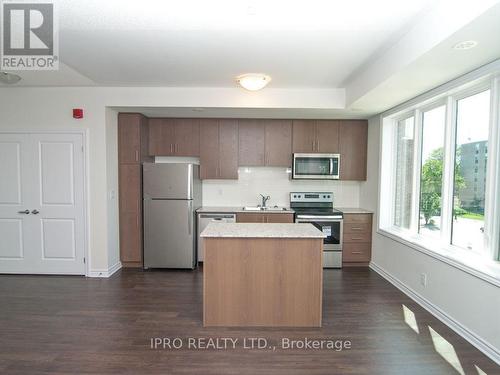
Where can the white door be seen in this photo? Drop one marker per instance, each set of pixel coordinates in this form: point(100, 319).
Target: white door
point(41, 203)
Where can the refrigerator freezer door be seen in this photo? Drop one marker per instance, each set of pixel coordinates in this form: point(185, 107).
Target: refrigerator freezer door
point(168, 180)
point(169, 238)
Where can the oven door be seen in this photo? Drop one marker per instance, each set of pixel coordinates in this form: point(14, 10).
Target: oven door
point(330, 226)
point(316, 166)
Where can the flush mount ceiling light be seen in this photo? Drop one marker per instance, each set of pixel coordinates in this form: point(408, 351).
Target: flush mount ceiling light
point(9, 78)
point(466, 44)
point(253, 81)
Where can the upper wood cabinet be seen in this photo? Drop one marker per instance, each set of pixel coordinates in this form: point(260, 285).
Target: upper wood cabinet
point(316, 136)
point(252, 138)
point(219, 149)
point(353, 148)
point(265, 143)
point(278, 143)
point(132, 138)
point(174, 137)
point(304, 136)
point(327, 136)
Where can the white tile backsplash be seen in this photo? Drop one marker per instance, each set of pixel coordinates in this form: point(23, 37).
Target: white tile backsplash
point(276, 183)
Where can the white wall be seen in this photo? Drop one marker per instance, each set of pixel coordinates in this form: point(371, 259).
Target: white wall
point(276, 183)
point(112, 187)
point(472, 303)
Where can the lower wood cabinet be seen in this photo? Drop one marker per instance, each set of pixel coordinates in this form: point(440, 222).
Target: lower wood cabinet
point(357, 239)
point(257, 217)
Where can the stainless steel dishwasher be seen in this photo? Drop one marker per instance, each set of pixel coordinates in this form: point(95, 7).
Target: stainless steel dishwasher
point(205, 218)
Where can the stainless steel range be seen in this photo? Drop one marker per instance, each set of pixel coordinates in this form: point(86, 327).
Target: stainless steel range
point(317, 208)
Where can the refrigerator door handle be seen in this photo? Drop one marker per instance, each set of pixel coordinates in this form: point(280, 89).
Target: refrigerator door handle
point(190, 216)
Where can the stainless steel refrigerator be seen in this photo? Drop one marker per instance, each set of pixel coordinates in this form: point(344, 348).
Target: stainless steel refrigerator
point(172, 193)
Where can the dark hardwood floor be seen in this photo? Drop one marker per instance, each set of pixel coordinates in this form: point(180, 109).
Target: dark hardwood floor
point(65, 325)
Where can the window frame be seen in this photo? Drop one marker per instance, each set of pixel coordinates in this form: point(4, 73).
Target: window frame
point(448, 95)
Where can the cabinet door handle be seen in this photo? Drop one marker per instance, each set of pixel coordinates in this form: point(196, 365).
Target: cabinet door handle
point(313, 145)
point(356, 228)
point(356, 238)
point(356, 252)
point(136, 155)
point(317, 145)
point(25, 212)
point(171, 151)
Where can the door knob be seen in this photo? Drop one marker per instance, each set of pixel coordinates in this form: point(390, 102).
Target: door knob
point(26, 212)
point(34, 212)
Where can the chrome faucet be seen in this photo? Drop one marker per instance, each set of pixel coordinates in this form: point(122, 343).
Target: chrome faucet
point(264, 200)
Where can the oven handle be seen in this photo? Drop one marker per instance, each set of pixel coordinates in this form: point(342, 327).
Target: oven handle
point(316, 218)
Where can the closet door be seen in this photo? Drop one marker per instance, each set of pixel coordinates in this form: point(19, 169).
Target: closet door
point(42, 204)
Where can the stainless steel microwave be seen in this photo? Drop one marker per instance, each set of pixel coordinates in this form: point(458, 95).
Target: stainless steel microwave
point(316, 166)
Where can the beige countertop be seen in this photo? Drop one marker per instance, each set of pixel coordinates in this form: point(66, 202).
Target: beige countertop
point(261, 230)
point(229, 209)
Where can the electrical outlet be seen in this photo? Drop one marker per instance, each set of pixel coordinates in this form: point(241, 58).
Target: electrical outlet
point(423, 279)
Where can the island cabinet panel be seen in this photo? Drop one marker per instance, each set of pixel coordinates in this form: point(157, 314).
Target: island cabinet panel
point(133, 137)
point(262, 282)
point(218, 149)
point(303, 136)
point(357, 239)
point(278, 143)
point(174, 137)
point(353, 148)
point(251, 143)
point(257, 217)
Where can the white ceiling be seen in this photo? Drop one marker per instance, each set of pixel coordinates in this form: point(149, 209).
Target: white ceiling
point(379, 52)
point(189, 43)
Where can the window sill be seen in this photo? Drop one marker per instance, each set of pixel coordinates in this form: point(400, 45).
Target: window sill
point(485, 269)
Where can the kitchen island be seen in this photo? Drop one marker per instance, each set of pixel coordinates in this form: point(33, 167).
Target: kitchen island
point(262, 274)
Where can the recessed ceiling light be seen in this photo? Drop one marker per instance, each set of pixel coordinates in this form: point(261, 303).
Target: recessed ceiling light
point(253, 81)
point(466, 44)
point(9, 78)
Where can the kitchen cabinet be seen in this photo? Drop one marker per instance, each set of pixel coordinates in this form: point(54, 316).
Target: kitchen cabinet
point(133, 139)
point(252, 137)
point(174, 137)
point(265, 143)
point(353, 148)
point(218, 149)
point(278, 143)
point(357, 239)
point(316, 136)
point(258, 217)
point(327, 136)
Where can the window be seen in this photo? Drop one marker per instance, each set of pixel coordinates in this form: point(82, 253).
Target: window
point(404, 172)
point(431, 171)
point(472, 133)
point(436, 189)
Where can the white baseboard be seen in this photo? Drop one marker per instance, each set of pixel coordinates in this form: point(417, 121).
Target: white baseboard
point(484, 346)
point(105, 272)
